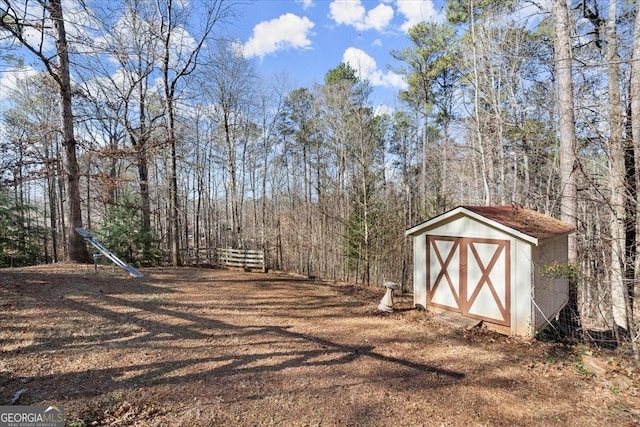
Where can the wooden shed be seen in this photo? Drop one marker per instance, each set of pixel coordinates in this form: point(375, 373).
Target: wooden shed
point(485, 263)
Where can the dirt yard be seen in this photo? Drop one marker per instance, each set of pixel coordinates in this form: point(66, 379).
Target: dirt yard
point(199, 347)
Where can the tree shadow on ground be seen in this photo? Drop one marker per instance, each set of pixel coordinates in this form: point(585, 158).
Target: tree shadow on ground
point(125, 319)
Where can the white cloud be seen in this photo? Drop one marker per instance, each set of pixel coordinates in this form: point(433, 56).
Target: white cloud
point(416, 11)
point(530, 14)
point(32, 31)
point(306, 4)
point(367, 69)
point(379, 17)
point(352, 12)
point(9, 78)
point(109, 88)
point(80, 25)
point(346, 12)
point(182, 44)
point(364, 64)
point(288, 31)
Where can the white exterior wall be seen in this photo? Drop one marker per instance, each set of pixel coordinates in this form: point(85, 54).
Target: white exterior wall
point(550, 294)
point(521, 291)
point(420, 271)
point(463, 226)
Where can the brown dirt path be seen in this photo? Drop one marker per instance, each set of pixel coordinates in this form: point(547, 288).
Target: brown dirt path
point(195, 347)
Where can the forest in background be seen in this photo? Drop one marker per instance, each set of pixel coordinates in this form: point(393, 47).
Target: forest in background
point(149, 128)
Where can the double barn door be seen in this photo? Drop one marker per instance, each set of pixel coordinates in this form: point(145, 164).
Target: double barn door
point(470, 276)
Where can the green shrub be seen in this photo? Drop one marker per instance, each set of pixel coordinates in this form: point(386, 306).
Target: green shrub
point(124, 235)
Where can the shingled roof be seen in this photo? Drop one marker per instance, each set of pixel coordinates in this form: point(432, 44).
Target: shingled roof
point(524, 220)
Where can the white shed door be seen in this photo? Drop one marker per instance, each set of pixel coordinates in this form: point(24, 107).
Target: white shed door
point(470, 276)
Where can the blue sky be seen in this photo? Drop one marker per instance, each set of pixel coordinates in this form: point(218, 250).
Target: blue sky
point(303, 39)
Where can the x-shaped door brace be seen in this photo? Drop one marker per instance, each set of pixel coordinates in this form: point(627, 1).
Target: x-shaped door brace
point(461, 246)
point(443, 267)
point(485, 276)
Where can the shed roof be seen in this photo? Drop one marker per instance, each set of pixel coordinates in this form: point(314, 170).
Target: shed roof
point(522, 221)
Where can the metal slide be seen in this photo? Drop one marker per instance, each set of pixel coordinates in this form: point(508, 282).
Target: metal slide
point(106, 252)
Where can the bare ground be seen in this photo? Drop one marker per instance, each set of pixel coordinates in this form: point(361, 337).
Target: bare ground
point(196, 347)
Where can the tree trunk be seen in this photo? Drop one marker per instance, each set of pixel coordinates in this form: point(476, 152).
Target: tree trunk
point(77, 251)
point(233, 180)
point(566, 120)
point(141, 155)
point(566, 123)
point(635, 131)
point(486, 162)
point(174, 211)
point(617, 170)
point(169, 92)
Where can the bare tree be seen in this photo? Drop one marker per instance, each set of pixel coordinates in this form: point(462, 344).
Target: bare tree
point(131, 43)
point(17, 19)
point(179, 59)
point(229, 87)
point(135, 49)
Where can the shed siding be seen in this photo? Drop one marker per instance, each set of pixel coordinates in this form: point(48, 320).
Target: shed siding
point(420, 271)
point(463, 226)
point(521, 288)
point(551, 294)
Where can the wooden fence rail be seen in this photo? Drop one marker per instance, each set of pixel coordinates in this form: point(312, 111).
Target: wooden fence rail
point(244, 258)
